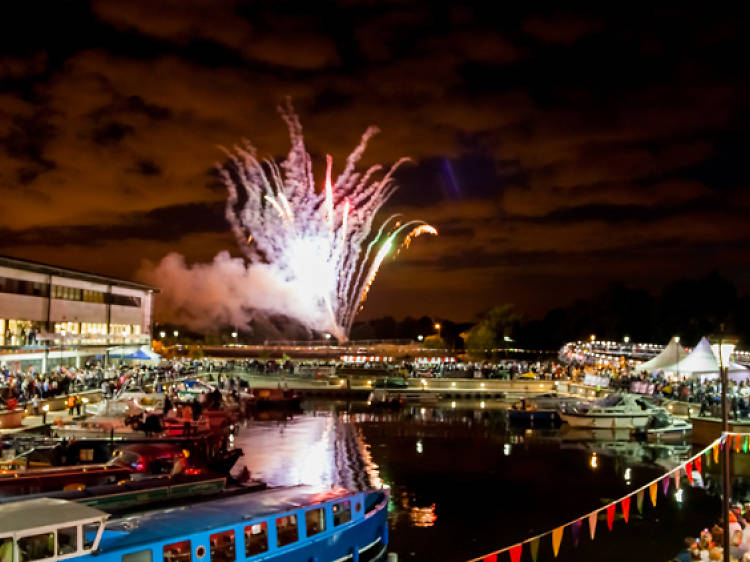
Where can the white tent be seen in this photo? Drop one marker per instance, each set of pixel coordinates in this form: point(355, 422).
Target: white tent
point(671, 354)
point(703, 364)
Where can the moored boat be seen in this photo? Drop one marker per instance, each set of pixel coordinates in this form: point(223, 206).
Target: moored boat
point(616, 411)
point(289, 524)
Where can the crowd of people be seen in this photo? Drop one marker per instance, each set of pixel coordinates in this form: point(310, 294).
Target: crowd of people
point(709, 545)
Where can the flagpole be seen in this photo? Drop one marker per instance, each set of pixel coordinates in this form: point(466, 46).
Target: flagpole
point(725, 476)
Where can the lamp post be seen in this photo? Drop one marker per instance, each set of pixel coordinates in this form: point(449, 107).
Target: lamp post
point(723, 350)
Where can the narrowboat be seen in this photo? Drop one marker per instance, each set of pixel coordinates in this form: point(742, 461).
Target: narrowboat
point(299, 523)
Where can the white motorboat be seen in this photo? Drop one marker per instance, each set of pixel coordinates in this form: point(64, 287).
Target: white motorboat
point(664, 426)
point(616, 411)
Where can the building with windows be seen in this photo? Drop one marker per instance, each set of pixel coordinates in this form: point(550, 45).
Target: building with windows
point(51, 315)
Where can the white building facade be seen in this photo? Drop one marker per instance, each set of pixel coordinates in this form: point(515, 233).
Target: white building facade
point(51, 315)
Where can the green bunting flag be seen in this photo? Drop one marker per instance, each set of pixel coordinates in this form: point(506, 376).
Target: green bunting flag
point(639, 501)
point(534, 548)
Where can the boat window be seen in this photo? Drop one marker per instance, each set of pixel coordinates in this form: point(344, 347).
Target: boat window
point(6, 549)
point(342, 513)
point(177, 552)
point(315, 521)
point(256, 539)
point(67, 540)
point(222, 547)
point(36, 547)
point(140, 556)
point(89, 534)
point(286, 530)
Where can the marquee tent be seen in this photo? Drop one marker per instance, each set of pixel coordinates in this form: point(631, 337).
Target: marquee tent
point(671, 354)
point(703, 364)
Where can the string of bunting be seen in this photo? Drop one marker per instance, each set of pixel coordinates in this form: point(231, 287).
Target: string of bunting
point(740, 441)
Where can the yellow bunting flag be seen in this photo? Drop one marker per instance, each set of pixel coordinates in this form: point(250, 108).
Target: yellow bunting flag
point(639, 501)
point(556, 539)
point(652, 489)
point(716, 454)
point(592, 524)
point(737, 443)
point(534, 547)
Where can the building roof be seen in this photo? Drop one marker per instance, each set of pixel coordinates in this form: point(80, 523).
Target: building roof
point(41, 512)
point(36, 267)
point(177, 522)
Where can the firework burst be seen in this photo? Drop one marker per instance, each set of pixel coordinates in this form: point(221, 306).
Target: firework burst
point(317, 242)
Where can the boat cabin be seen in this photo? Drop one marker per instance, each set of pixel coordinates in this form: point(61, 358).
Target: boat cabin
point(46, 529)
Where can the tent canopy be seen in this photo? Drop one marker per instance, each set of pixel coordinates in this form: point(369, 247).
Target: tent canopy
point(703, 364)
point(671, 354)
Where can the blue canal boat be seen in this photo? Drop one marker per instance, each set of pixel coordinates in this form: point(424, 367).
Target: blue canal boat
point(298, 523)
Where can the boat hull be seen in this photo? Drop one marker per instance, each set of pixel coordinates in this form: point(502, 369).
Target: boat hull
point(611, 421)
point(533, 417)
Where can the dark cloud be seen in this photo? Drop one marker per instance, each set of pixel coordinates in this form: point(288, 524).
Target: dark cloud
point(547, 143)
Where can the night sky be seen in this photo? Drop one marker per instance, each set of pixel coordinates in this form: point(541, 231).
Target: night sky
point(555, 152)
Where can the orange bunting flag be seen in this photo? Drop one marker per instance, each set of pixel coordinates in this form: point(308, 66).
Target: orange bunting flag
point(534, 549)
point(639, 501)
point(610, 515)
point(625, 504)
point(697, 463)
point(716, 454)
point(556, 539)
point(652, 492)
point(737, 443)
point(515, 552)
point(689, 471)
point(676, 476)
point(592, 524)
point(490, 557)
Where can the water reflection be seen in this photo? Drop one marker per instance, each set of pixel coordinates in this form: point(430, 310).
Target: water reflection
point(490, 484)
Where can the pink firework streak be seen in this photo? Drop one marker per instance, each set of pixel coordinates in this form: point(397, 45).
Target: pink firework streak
point(318, 243)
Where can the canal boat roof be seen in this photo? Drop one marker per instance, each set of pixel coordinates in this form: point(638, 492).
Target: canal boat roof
point(43, 512)
point(155, 526)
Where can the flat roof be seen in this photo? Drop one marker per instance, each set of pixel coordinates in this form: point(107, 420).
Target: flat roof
point(48, 269)
point(155, 526)
point(41, 512)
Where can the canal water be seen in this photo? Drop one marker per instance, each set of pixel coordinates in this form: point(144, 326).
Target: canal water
point(463, 483)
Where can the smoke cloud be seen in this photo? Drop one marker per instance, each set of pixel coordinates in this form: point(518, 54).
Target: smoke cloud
point(226, 291)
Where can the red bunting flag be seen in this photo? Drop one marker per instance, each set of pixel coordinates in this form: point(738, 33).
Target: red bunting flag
point(625, 504)
point(689, 471)
point(592, 524)
point(515, 552)
point(556, 539)
point(490, 557)
point(698, 463)
point(610, 515)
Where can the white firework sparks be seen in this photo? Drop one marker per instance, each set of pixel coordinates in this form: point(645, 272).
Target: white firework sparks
point(312, 239)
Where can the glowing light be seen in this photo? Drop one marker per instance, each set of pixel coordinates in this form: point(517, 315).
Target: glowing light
point(453, 404)
point(318, 244)
point(594, 462)
point(453, 384)
point(481, 404)
point(628, 474)
point(506, 449)
point(678, 495)
point(420, 448)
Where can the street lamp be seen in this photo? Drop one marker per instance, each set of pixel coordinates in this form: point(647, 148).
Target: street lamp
point(626, 339)
point(676, 339)
point(234, 335)
point(175, 333)
point(723, 350)
point(420, 337)
point(162, 334)
point(437, 326)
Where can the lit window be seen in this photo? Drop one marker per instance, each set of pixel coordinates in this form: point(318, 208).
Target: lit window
point(286, 530)
point(222, 547)
point(315, 521)
point(342, 513)
point(177, 552)
point(36, 547)
point(256, 539)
